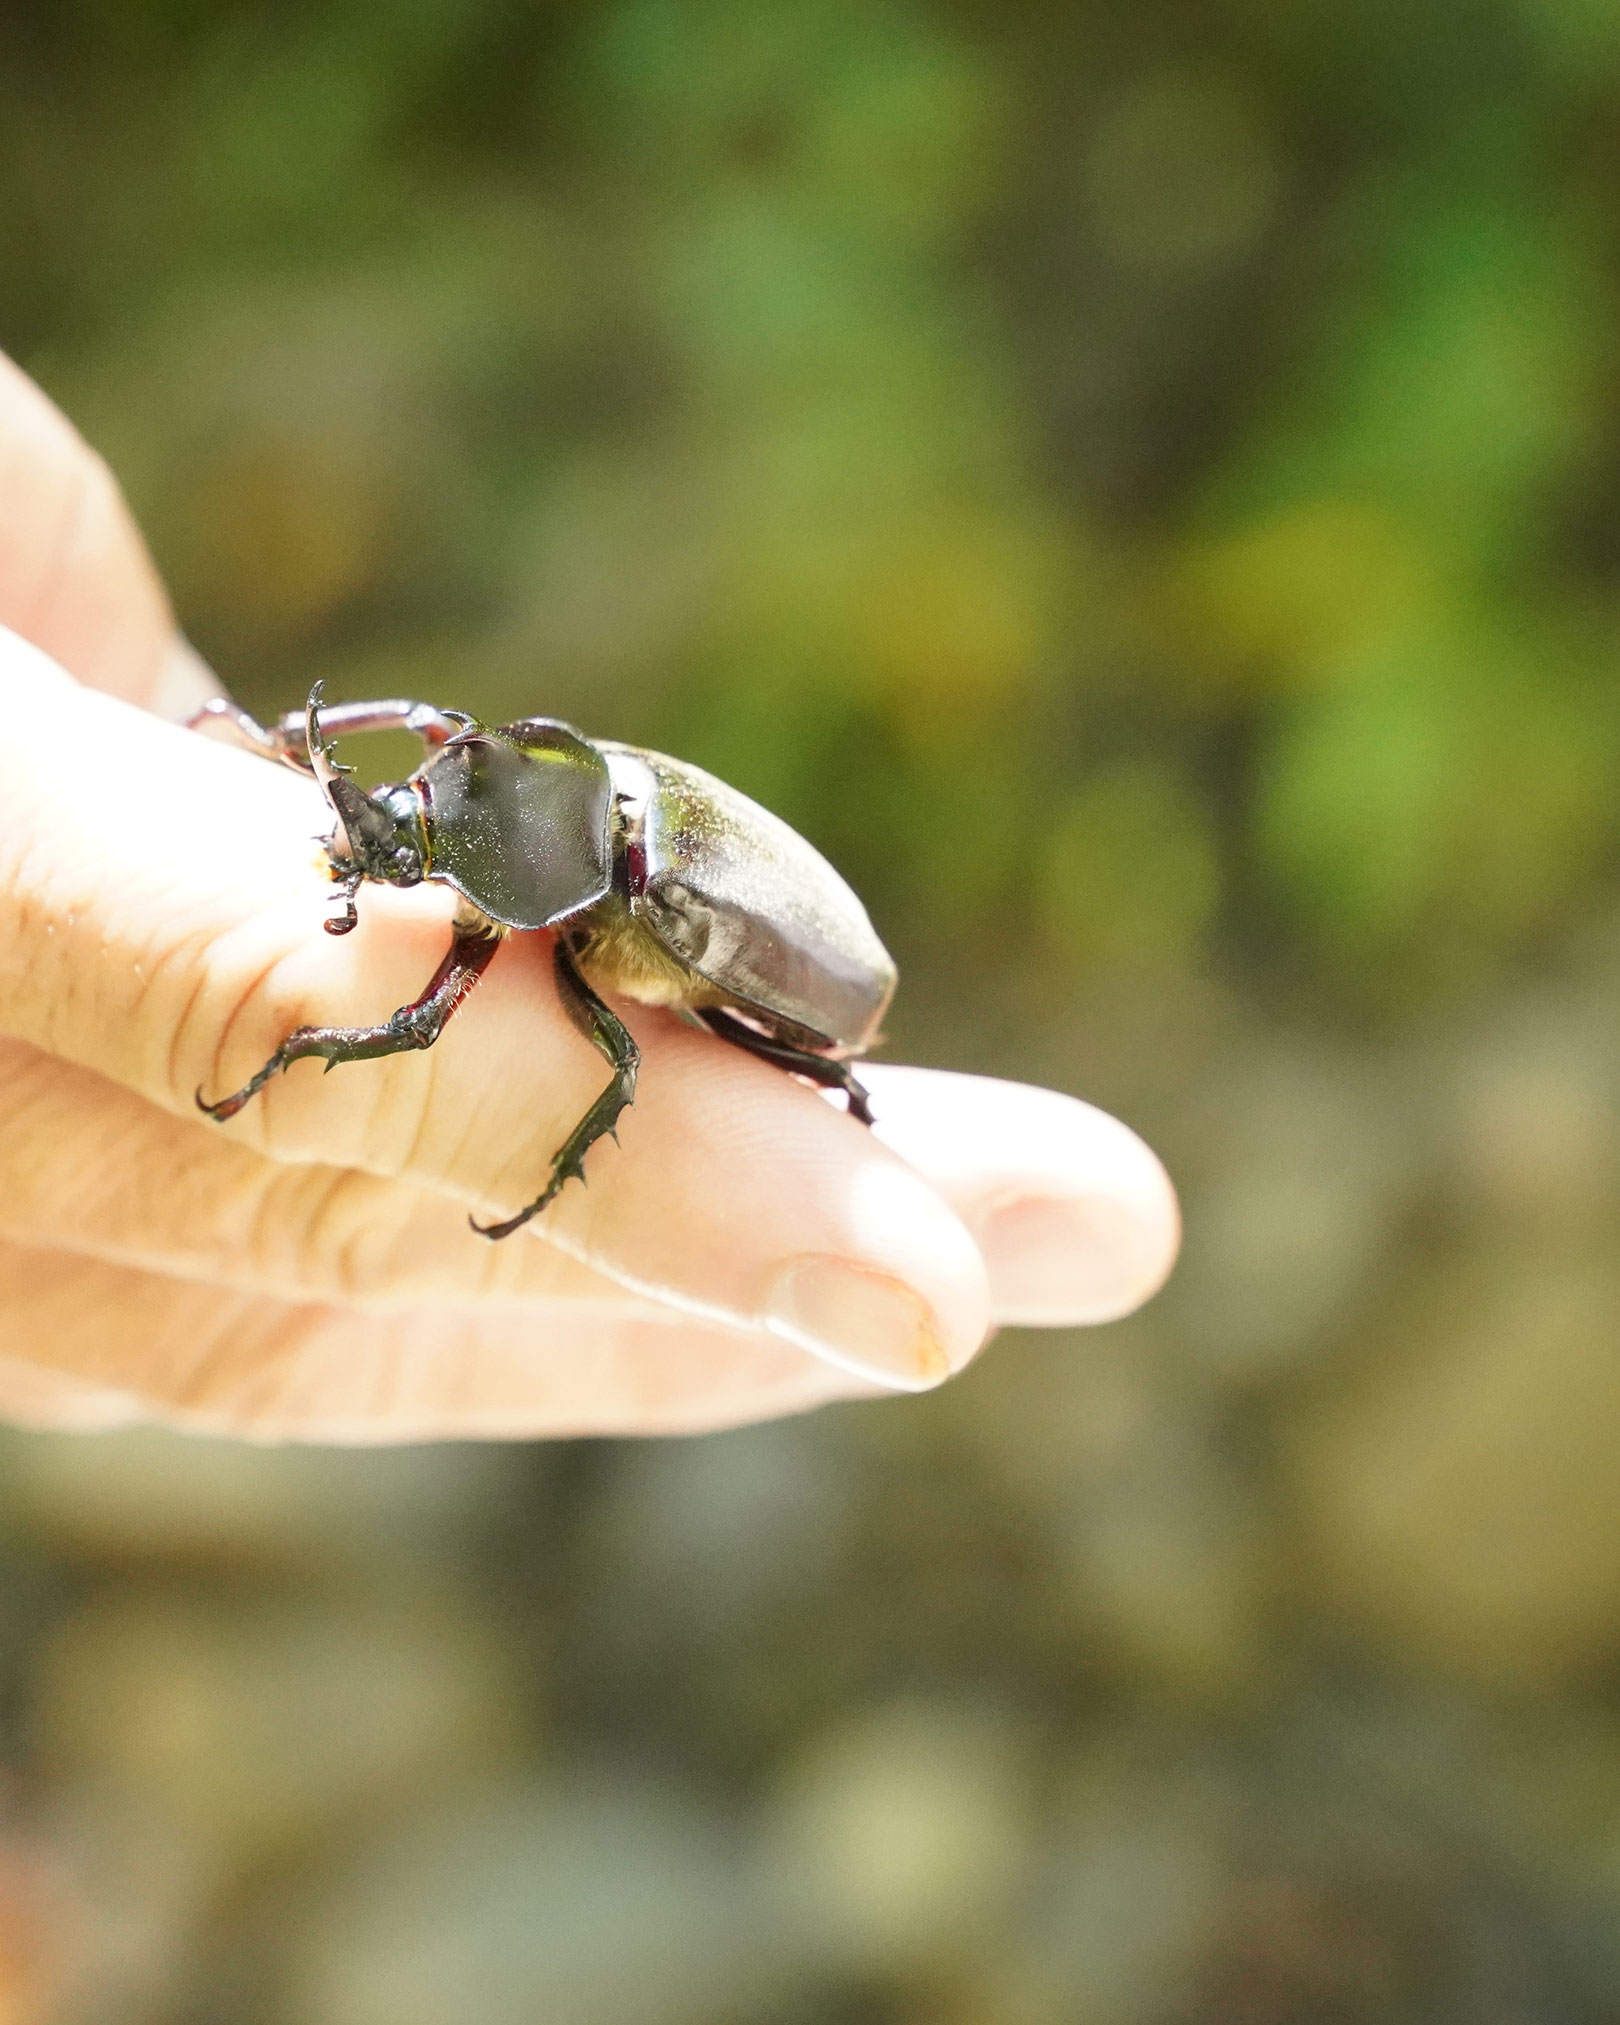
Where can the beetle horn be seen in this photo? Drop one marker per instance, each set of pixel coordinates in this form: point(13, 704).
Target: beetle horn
point(367, 826)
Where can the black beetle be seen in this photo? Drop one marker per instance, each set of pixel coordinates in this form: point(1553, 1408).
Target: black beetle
point(661, 882)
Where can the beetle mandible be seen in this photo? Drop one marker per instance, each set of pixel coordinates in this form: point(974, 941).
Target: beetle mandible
point(659, 881)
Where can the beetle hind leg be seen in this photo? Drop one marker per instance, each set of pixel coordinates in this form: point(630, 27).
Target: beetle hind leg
point(610, 1037)
point(822, 1069)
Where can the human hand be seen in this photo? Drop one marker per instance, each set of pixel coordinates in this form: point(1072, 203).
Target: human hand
point(307, 1272)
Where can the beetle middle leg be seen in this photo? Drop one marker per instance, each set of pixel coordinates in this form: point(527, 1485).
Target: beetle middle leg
point(417, 1025)
point(608, 1034)
point(822, 1069)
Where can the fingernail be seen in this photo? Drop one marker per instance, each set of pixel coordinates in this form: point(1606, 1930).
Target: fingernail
point(862, 1321)
point(1065, 1260)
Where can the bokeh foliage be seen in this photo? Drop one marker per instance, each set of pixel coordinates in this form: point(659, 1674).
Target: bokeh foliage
point(1139, 487)
point(1141, 433)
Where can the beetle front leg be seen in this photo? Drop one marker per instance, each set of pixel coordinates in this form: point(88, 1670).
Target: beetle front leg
point(609, 1035)
point(282, 740)
point(285, 739)
point(417, 1025)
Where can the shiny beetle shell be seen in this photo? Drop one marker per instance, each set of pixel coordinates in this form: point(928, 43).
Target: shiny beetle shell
point(748, 905)
point(517, 821)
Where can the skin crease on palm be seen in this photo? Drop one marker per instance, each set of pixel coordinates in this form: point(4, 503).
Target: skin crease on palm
point(307, 1272)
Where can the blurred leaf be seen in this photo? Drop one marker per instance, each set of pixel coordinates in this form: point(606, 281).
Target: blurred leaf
point(1301, 598)
point(1433, 812)
point(1181, 168)
point(1463, 380)
point(1126, 871)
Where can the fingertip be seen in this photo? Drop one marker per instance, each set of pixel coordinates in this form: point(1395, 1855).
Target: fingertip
point(789, 1220)
point(1076, 1217)
point(1065, 1261)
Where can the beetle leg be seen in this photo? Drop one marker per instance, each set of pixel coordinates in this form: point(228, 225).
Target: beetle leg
point(272, 741)
point(433, 726)
point(822, 1069)
point(285, 739)
point(417, 1025)
point(609, 1035)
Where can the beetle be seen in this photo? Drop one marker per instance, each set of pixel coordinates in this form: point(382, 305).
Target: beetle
point(659, 881)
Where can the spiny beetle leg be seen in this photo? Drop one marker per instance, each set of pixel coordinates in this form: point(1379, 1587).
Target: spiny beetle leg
point(417, 1025)
point(610, 1037)
point(820, 1069)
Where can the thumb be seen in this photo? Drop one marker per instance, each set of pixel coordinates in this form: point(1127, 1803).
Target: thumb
point(75, 576)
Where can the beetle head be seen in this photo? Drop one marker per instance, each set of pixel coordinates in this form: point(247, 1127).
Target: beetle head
point(377, 836)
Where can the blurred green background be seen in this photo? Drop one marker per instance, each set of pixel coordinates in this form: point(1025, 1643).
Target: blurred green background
point(1141, 488)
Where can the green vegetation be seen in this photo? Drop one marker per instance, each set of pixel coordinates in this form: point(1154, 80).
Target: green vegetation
point(1140, 487)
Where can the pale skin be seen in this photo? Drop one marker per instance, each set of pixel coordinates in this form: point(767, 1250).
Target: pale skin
point(307, 1271)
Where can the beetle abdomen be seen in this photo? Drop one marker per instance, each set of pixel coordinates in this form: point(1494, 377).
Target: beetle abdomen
point(744, 902)
point(621, 952)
